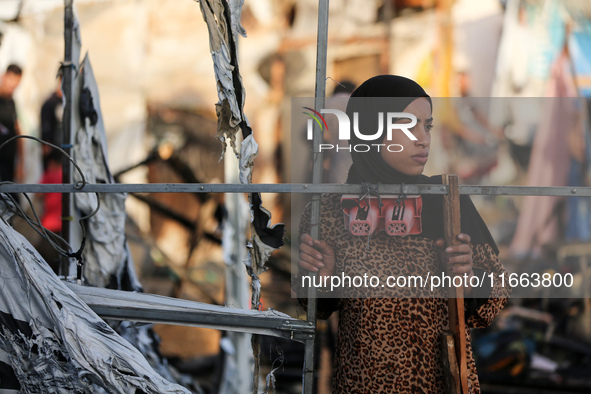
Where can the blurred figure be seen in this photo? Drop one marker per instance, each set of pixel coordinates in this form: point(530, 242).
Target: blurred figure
point(51, 218)
point(52, 202)
point(51, 119)
point(11, 155)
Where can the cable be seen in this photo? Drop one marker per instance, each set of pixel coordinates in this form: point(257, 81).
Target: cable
point(35, 223)
point(78, 185)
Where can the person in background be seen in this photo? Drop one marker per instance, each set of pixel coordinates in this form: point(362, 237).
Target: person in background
point(51, 217)
point(11, 155)
point(391, 343)
point(51, 119)
point(51, 131)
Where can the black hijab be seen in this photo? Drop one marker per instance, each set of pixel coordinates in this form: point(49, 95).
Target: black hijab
point(393, 93)
point(384, 93)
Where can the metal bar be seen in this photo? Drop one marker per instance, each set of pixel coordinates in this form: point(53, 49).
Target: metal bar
point(209, 188)
point(451, 229)
point(68, 90)
point(237, 286)
point(321, 52)
point(151, 308)
point(561, 191)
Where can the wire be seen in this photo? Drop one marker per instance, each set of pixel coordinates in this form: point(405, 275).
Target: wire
point(78, 185)
point(53, 239)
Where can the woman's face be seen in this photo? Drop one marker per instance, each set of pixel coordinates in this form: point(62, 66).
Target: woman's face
point(412, 159)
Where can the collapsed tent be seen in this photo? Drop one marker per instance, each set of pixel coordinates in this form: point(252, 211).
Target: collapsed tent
point(107, 258)
point(50, 339)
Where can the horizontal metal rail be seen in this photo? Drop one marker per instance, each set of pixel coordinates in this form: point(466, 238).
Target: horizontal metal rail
point(152, 308)
point(291, 188)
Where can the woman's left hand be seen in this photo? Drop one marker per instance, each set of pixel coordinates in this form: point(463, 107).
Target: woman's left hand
point(457, 258)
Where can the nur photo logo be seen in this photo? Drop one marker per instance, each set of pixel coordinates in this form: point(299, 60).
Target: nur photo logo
point(390, 119)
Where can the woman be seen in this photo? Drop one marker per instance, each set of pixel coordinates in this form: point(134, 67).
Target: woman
point(392, 344)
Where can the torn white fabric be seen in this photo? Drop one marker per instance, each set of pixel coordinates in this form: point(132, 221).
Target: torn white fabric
point(54, 341)
point(265, 239)
point(236, 13)
point(249, 150)
point(230, 91)
point(106, 256)
point(223, 34)
point(255, 263)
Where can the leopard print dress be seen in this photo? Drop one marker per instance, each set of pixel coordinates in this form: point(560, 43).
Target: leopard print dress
point(391, 344)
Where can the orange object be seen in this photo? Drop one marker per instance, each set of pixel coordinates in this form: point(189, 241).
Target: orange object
point(397, 217)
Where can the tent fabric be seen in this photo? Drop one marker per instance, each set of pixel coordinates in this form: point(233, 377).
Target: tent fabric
point(107, 258)
point(223, 26)
point(107, 261)
point(549, 163)
point(52, 340)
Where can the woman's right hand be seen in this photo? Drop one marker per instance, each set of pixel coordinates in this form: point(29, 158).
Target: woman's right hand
point(316, 256)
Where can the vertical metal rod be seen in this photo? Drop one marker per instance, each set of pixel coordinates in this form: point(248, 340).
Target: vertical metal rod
point(68, 91)
point(321, 49)
point(238, 366)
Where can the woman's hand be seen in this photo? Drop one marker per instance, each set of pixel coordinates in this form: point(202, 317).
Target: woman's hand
point(458, 258)
point(316, 256)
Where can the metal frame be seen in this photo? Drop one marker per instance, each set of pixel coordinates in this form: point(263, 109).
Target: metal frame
point(304, 188)
point(69, 68)
point(309, 376)
point(157, 309)
point(152, 308)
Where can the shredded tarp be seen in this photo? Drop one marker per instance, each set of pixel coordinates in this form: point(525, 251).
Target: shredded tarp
point(265, 239)
point(249, 150)
point(107, 258)
point(107, 261)
point(52, 340)
point(223, 23)
point(218, 16)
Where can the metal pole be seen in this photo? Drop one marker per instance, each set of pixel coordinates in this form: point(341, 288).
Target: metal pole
point(303, 188)
point(237, 366)
point(321, 49)
point(68, 91)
